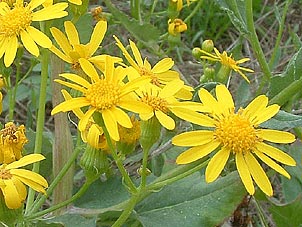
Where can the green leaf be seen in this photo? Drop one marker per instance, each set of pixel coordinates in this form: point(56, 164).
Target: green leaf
point(289, 214)
point(292, 72)
point(292, 188)
point(283, 120)
point(72, 220)
point(143, 32)
point(236, 12)
point(192, 202)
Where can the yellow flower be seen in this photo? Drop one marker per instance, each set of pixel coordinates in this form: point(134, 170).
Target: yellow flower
point(105, 95)
point(73, 50)
point(16, 22)
point(50, 2)
point(12, 140)
point(160, 73)
point(176, 26)
point(93, 134)
point(179, 3)
point(163, 101)
point(12, 180)
point(228, 61)
point(237, 133)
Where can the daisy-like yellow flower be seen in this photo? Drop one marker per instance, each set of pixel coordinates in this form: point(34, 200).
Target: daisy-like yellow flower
point(16, 22)
point(105, 94)
point(160, 73)
point(71, 48)
point(12, 140)
point(176, 26)
point(228, 61)
point(93, 134)
point(163, 102)
point(13, 180)
point(238, 134)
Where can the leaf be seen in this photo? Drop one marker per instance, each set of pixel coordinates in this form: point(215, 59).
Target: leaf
point(143, 32)
point(292, 72)
point(236, 12)
point(293, 187)
point(283, 120)
point(288, 214)
point(72, 220)
point(192, 202)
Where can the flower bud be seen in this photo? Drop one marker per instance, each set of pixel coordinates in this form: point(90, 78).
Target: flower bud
point(150, 133)
point(209, 73)
point(207, 45)
point(223, 74)
point(196, 52)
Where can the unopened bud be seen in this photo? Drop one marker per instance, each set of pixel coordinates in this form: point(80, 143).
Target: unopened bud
point(196, 52)
point(207, 45)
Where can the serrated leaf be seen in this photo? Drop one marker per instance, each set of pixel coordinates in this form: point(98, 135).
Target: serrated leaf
point(192, 202)
point(283, 120)
point(236, 12)
point(144, 32)
point(288, 214)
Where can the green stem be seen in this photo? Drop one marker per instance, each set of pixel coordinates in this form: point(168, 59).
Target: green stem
point(261, 213)
point(127, 211)
point(253, 38)
point(286, 94)
point(38, 203)
point(40, 119)
point(62, 204)
point(194, 11)
point(99, 119)
point(135, 7)
point(144, 168)
point(279, 36)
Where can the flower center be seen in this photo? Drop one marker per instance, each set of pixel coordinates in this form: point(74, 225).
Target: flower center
point(155, 102)
point(236, 133)
point(4, 173)
point(228, 60)
point(145, 72)
point(103, 94)
point(130, 135)
point(13, 134)
point(15, 20)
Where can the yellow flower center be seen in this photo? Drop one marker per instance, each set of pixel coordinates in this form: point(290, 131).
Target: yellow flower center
point(236, 133)
point(130, 135)
point(15, 20)
point(155, 102)
point(228, 60)
point(103, 94)
point(146, 72)
point(4, 173)
point(13, 133)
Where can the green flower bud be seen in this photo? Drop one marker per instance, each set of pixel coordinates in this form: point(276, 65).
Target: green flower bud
point(196, 52)
point(150, 133)
point(209, 73)
point(207, 45)
point(94, 162)
point(223, 74)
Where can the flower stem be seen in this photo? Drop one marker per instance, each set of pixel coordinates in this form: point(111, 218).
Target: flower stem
point(135, 6)
point(194, 11)
point(62, 204)
point(40, 119)
point(253, 38)
point(38, 203)
point(144, 168)
point(260, 212)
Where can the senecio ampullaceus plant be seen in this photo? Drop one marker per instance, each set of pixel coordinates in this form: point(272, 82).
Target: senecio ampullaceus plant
point(104, 124)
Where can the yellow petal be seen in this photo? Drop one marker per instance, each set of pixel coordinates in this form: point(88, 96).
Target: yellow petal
point(78, 112)
point(244, 173)
point(37, 187)
point(25, 160)
point(136, 53)
point(196, 153)
point(168, 76)
point(111, 124)
point(276, 154)
point(193, 117)
point(30, 176)
point(224, 97)
point(11, 50)
point(60, 54)
point(208, 100)
point(193, 138)
point(77, 79)
point(216, 165)
point(184, 93)
point(39, 37)
point(61, 40)
point(135, 106)
point(126, 53)
point(171, 88)
point(29, 44)
point(97, 36)
point(272, 164)
point(258, 105)
point(85, 119)
point(76, 2)
point(71, 104)
point(35, 3)
point(89, 69)
point(11, 195)
point(20, 188)
point(121, 117)
point(163, 65)
point(165, 120)
point(72, 33)
point(258, 174)
point(51, 12)
point(71, 85)
point(276, 136)
point(193, 106)
point(268, 113)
